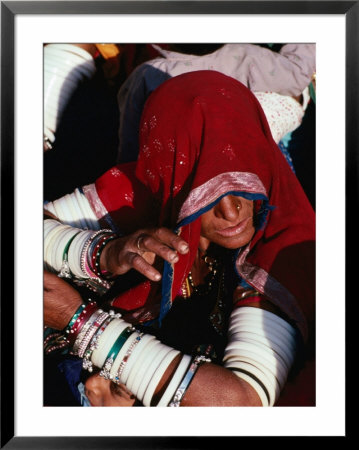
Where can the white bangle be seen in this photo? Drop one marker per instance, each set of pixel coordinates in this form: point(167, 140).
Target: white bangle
point(64, 69)
point(59, 86)
point(77, 200)
point(246, 311)
point(78, 216)
point(56, 255)
point(50, 241)
point(67, 211)
point(75, 252)
point(50, 233)
point(73, 211)
point(284, 340)
point(270, 362)
point(71, 49)
point(50, 224)
point(157, 376)
point(48, 206)
point(140, 368)
point(61, 252)
point(64, 59)
point(263, 368)
point(266, 353)
point(85, 207)
point(55, 66)
point(155, 361)
point(106, 341)
point(270, 384)
point(287, 356)
point(59, 62)
point(175, 381)
point(60, 214)
point(273, 336)
point(255, 385)
point(135, 355)
point(269, 329)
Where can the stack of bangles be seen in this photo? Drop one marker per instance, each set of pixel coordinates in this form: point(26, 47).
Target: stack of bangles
point(73, 252)
point(127, 356)
point(66, 66)
point(261, 349)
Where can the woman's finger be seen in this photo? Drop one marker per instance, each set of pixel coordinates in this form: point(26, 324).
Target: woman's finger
point(135, 261)
point(171, 239)
point(147, 243)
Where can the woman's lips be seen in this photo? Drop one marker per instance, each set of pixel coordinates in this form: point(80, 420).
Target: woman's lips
point(237, 229)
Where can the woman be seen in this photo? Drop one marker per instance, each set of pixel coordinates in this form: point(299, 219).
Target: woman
point(235, 233)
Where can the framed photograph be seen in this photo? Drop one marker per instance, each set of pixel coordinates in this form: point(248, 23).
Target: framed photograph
point(27, 179)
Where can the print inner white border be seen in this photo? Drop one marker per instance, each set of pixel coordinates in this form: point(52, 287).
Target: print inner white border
point(327, 418)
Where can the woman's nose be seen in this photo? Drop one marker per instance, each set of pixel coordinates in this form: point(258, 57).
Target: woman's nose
point(228, 208)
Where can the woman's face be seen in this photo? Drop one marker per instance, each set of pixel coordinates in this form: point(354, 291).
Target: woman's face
point(101, 392)
point(229, 223)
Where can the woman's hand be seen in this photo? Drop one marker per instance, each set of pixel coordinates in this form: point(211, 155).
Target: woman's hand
point(60, 301)
point(139, 250)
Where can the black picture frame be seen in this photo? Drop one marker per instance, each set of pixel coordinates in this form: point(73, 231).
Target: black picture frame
point(9, 10)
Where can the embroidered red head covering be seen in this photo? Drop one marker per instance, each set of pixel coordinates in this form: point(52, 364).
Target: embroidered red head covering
point(204, 135)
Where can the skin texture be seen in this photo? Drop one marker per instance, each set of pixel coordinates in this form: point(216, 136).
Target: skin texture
point(101, 392)
point(60, 301)
point(124, 254)
point(228, 224)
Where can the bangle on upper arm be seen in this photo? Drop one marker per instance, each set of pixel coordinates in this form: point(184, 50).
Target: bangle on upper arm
point(261, 349)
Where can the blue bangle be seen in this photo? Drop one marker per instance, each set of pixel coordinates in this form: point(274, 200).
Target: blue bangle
point(186, 380)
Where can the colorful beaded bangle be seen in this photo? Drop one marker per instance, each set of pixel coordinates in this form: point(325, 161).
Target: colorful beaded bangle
point(93, 252)
point(116, 347)
point(74, 317)
point(83, 331)
point(186, 381)
point(75, 328)
point(125, 358)
point(87, 363)
point(84, 254)
point(90, 333)
point(96, 254)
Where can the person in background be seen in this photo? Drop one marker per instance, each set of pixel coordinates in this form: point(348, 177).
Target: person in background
point(280, 81)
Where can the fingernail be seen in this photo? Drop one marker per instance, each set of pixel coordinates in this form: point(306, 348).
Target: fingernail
point(184, 248)
point(174, 258)
point(157, 277)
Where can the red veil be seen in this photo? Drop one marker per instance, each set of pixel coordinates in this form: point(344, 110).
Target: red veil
point(204, 135)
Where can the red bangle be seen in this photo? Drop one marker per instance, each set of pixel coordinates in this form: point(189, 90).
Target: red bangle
point(80, 321)
point(248, 301)
point(96, 253)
